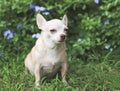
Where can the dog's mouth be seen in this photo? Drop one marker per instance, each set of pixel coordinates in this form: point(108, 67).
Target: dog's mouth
point(61, 40)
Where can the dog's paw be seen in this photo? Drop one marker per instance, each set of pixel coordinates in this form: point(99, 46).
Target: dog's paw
point(37, 86)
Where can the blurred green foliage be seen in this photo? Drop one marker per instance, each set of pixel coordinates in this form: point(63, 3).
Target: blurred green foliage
point(94, 36)
point(92, 25)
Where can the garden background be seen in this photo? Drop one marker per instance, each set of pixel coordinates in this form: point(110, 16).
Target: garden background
point(93, 43)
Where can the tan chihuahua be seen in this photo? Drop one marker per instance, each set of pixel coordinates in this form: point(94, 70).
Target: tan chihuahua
point(48, 56)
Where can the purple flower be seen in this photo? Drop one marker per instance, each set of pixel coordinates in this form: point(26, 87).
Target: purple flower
point(19, 26)
point(37, 35)
point(79, 39)
point(8, 34)
point(1, 54)
point(46, 13)
point(32, 6)
point(111, 49)
point(38, 8)
point(96, 1)
point(107, 20)
point(107, 46)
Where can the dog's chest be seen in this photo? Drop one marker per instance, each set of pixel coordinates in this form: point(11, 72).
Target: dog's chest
point(50, 68)
point(51, 62)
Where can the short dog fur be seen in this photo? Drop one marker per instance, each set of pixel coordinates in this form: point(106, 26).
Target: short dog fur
point(48, 56)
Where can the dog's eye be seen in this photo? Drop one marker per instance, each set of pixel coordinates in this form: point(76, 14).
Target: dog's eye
point(53, 30)
point(65, 29)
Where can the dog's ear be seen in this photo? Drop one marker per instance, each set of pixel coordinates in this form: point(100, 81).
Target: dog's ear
point(40, 21)
point(65, 20)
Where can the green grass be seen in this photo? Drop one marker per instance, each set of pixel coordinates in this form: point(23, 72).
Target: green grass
point(82, 75)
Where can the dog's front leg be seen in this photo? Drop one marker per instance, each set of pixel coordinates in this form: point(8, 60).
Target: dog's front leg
point(37, 74)
point(64, 71)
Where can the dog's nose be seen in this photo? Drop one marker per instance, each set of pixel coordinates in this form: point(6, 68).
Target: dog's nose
point(62, 37)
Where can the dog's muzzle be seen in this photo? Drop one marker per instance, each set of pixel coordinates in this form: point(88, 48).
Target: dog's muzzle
point(62, 38)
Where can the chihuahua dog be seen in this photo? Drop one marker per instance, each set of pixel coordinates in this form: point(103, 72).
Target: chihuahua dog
point(48, 56)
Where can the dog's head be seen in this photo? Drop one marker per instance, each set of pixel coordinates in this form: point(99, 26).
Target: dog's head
point(55, 29)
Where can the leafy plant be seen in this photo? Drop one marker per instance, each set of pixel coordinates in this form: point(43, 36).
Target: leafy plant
point(92, 44)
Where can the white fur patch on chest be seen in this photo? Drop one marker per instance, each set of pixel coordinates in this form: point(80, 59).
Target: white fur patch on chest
point(50, 69)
